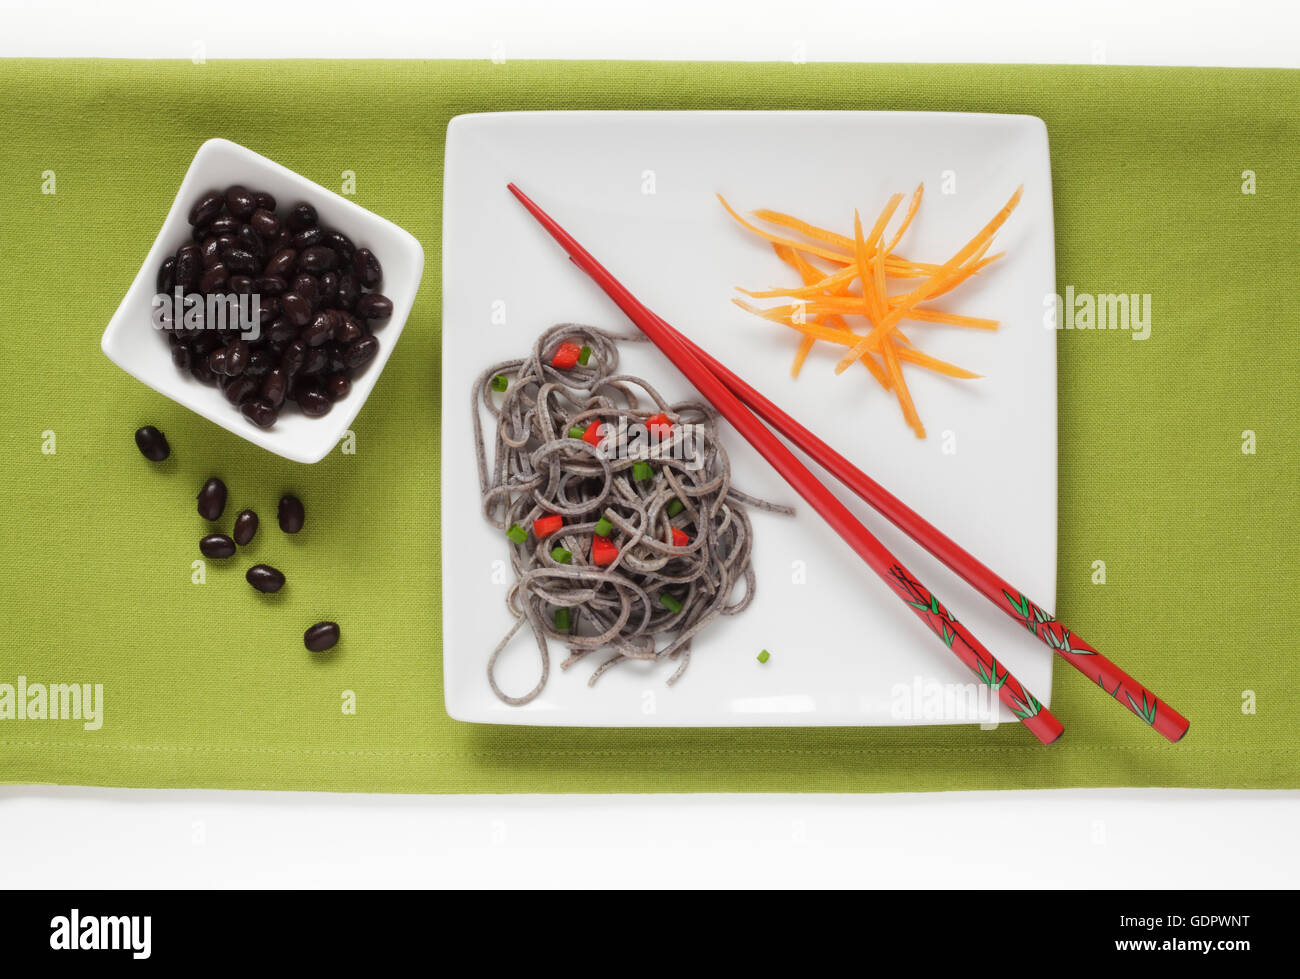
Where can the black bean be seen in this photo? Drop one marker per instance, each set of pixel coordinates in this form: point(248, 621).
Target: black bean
point(251, 242)
point(320, 330)
point(271, 285)
point(153, 443)
point(239, 389)
point(166, 281)
point(329, 287)
point(321, 636)
point(217, 361)
point(241, 285)
point(360, 352)
point(317, 360)
point(265, 201)
point(259, 412)
point(181, 356)
point(236, 357)
point(367, 268)
point(296, 308)
point(238, 260)
point(212, 499)
point(349, 290)
point(210, 252)
point(306, 286)
point(265, 578)
point(207, 207)
point(290, 514)
point(268, 309)
point(346, 328)
point(302, 216)
point(308, 237)
point(189, 265)
point(245, 527)
point(317, 258)
point(295, 355)
point(314, 402)
point(217, 546)
point(337, 387)
point(274, 386)
point(259, 362)
point(214, 278)
point(224, 225)
point(240, 201)
point(281, 331)
point(374, 306)
point(342, 244)
point(265, 223)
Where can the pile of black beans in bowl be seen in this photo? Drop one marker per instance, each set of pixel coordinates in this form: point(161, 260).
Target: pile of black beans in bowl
point(317, 294)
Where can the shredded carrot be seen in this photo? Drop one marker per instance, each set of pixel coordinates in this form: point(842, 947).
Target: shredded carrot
point(857, 285)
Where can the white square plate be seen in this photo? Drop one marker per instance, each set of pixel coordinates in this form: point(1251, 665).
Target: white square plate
point(637, 189)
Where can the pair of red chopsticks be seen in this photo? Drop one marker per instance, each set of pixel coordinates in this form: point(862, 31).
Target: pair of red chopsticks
point(739, 404)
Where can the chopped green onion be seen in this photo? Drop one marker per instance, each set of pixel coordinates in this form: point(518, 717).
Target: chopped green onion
point(561, 556)
point(499, 383)
point(764, 656)
point(670, 603)
point(584, 355)
point(562, 623)
point(517, 534)
point(642, 471)
point(603, 527)
point(674, 507)
point(577, 432)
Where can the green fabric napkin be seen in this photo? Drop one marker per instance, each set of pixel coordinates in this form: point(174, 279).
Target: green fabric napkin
point(202, 686)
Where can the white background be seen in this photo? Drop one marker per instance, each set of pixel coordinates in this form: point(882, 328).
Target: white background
point(114, 838)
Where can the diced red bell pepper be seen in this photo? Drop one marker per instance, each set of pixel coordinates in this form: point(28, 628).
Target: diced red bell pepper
point(545, 526)
point(602, 551)
point(566, 356)
point(592, 434)
point(659, 425)
point(680, 539)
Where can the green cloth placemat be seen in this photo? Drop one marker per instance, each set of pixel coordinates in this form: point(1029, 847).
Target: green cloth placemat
point(203, 686)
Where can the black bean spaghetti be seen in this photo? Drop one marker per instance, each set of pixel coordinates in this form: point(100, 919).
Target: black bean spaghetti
point(624, 530)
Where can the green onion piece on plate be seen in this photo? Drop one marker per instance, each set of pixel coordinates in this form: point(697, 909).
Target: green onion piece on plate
point(561, 556)
point(499, 383)
point(517, 534)
point(670, 603)
point(562, 623)
point(603, 527)
point(577, 432)
point(584, 355)
point(674, 507)
point(642, 471)
point(764, 656)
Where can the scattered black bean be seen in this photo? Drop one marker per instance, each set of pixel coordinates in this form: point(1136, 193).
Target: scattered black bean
point(212, 499)
point(265, 578)
point(314, 402)
point(152, 443)
point(302, 216)
point(321, 636)
point(217, 546)
point(245, 527)
point(290, 514)
point(240, 201)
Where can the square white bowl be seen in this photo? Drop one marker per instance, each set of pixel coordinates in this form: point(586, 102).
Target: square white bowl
point(637, 188)
point(131, 341)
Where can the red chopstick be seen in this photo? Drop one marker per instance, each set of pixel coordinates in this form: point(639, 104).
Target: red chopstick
point(979, 576)
point(923, 603)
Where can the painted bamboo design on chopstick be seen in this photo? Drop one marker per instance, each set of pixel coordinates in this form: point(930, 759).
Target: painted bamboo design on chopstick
point(981, 662)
